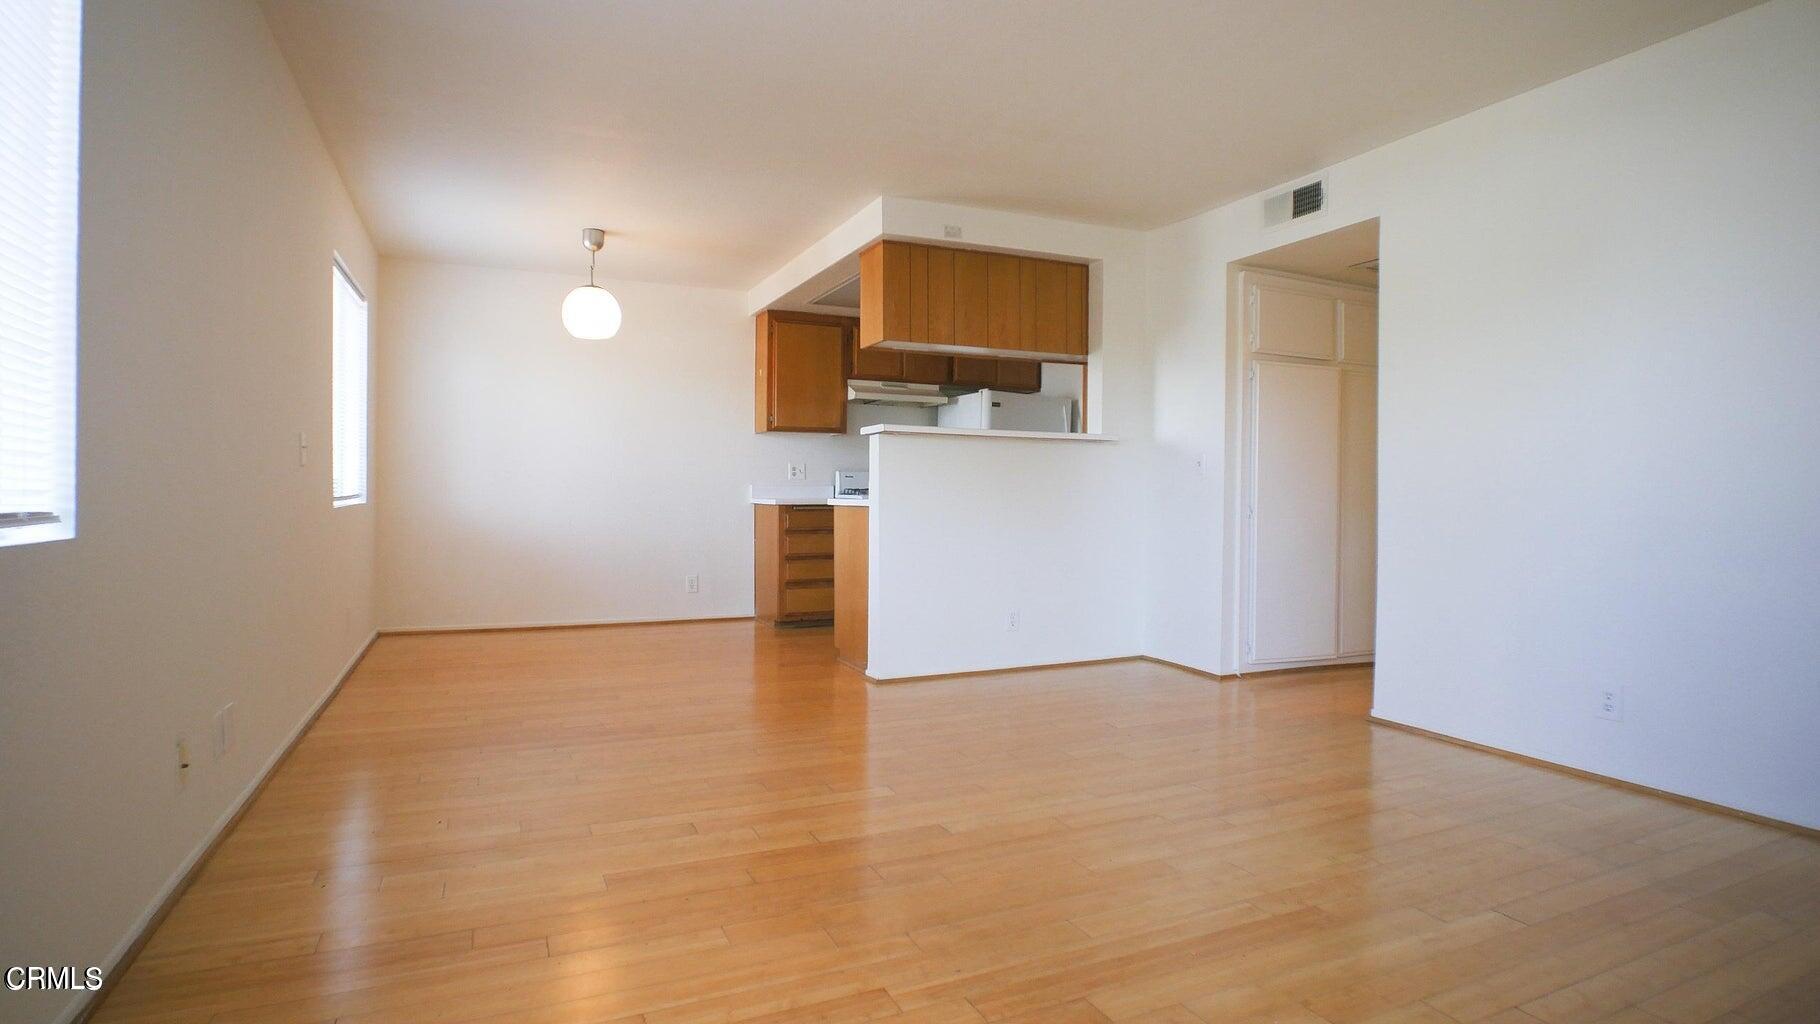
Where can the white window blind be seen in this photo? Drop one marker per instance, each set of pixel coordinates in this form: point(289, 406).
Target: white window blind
point(40, 59)
point(349, 389)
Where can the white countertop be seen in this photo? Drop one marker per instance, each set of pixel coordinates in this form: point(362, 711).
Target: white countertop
point(797, 494)
point(861, 502)
point(789, 494)
point(1037, 435)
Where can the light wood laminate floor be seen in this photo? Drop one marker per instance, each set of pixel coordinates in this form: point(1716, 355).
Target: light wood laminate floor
point(716, 822)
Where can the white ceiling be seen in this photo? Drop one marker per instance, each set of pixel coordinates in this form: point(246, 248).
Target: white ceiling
point(714, 139)
point(1334, 255)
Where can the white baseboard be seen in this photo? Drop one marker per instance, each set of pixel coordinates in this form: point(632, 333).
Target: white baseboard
point(85, 1002)
point(557, 624)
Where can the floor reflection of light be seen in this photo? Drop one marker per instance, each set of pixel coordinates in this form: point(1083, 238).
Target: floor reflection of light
point(351, 879)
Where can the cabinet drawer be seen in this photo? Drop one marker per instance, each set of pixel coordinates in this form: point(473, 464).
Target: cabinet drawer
point(808, 517)
point(808, 544)
point(816, 597)
point(799, 569)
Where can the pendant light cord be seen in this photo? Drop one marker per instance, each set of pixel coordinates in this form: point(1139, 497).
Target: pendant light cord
point(591, 255)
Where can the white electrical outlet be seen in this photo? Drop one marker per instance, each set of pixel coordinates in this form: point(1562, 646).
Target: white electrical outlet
point(797, 471)
point(224, 731)
point(693, 582)
point(951, 231)
point(1011, 623)
point(1611, 704)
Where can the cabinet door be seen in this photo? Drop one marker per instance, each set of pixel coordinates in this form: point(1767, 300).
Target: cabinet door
point(1002, 291)
point(1358, 511)
point(1026, 304)
point(1287, 322)
point(972, 371)
point(808, 377)
point(1074, 330)
point(1295, 511)
point(1023, 375)
point(1043, 309)
point(874, 363)
point(924, 368)
point(938, 298)
point(971, 305)
point(1358, 332)
point(916, 293)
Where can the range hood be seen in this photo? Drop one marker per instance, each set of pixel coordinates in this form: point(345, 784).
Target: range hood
point(874, 392)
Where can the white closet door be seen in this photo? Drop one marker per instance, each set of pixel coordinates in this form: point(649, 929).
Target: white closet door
point(1358, 511)
point(1295, 512)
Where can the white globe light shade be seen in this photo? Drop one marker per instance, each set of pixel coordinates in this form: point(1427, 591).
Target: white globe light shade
point(591, 313)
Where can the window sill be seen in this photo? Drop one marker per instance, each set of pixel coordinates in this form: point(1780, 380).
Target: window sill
point(20, 529)
point(349, 502)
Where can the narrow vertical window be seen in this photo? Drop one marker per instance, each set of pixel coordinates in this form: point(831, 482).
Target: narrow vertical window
point(40, 58)
point(349, 386)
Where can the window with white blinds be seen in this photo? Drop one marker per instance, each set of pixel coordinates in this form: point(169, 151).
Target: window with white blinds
point(349, 389)
point(40, 58)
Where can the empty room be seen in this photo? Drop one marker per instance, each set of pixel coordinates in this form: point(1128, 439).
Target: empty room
point(1032, 512)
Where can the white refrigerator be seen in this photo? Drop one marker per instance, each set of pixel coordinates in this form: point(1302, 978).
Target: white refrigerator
point(1004, 410)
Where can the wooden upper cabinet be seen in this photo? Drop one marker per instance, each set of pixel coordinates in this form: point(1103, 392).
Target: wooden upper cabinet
point(1042, 303)
point(874, 363)
point(801, 380)
point(974, 371)
point(938, 294)
point(894, 365)
point(931, 297)
point(1002, 291)
point(970, 298)
point(924, 368)
point(1024, 375)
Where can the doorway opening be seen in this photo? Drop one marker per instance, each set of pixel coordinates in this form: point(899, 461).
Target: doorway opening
point(1302, 453)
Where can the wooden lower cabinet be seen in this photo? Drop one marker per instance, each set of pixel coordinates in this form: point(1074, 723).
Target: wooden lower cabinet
point(850, 598)
point(793, 549)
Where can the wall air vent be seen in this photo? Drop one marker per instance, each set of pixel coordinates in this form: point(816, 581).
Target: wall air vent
point(1305, 200)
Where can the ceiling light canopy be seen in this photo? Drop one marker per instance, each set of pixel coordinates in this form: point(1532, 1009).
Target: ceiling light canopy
point(591, 313)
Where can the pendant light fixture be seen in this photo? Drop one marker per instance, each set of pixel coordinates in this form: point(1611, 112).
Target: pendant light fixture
point(591, 312)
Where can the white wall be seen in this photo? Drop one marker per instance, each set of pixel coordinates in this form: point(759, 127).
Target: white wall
point(966, 530)
point(209, 566)
point(1597, 416)
point(528, 477)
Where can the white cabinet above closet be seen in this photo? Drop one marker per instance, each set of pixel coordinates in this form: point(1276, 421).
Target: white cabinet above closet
point(1304, 319)
point(1289, 319)
point(1358, 331)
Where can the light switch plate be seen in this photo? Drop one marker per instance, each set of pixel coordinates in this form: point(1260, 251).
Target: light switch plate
point(224, 730)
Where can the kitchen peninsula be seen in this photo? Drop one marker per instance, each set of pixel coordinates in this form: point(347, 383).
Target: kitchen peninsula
point(998, 531)
point(944, 504)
